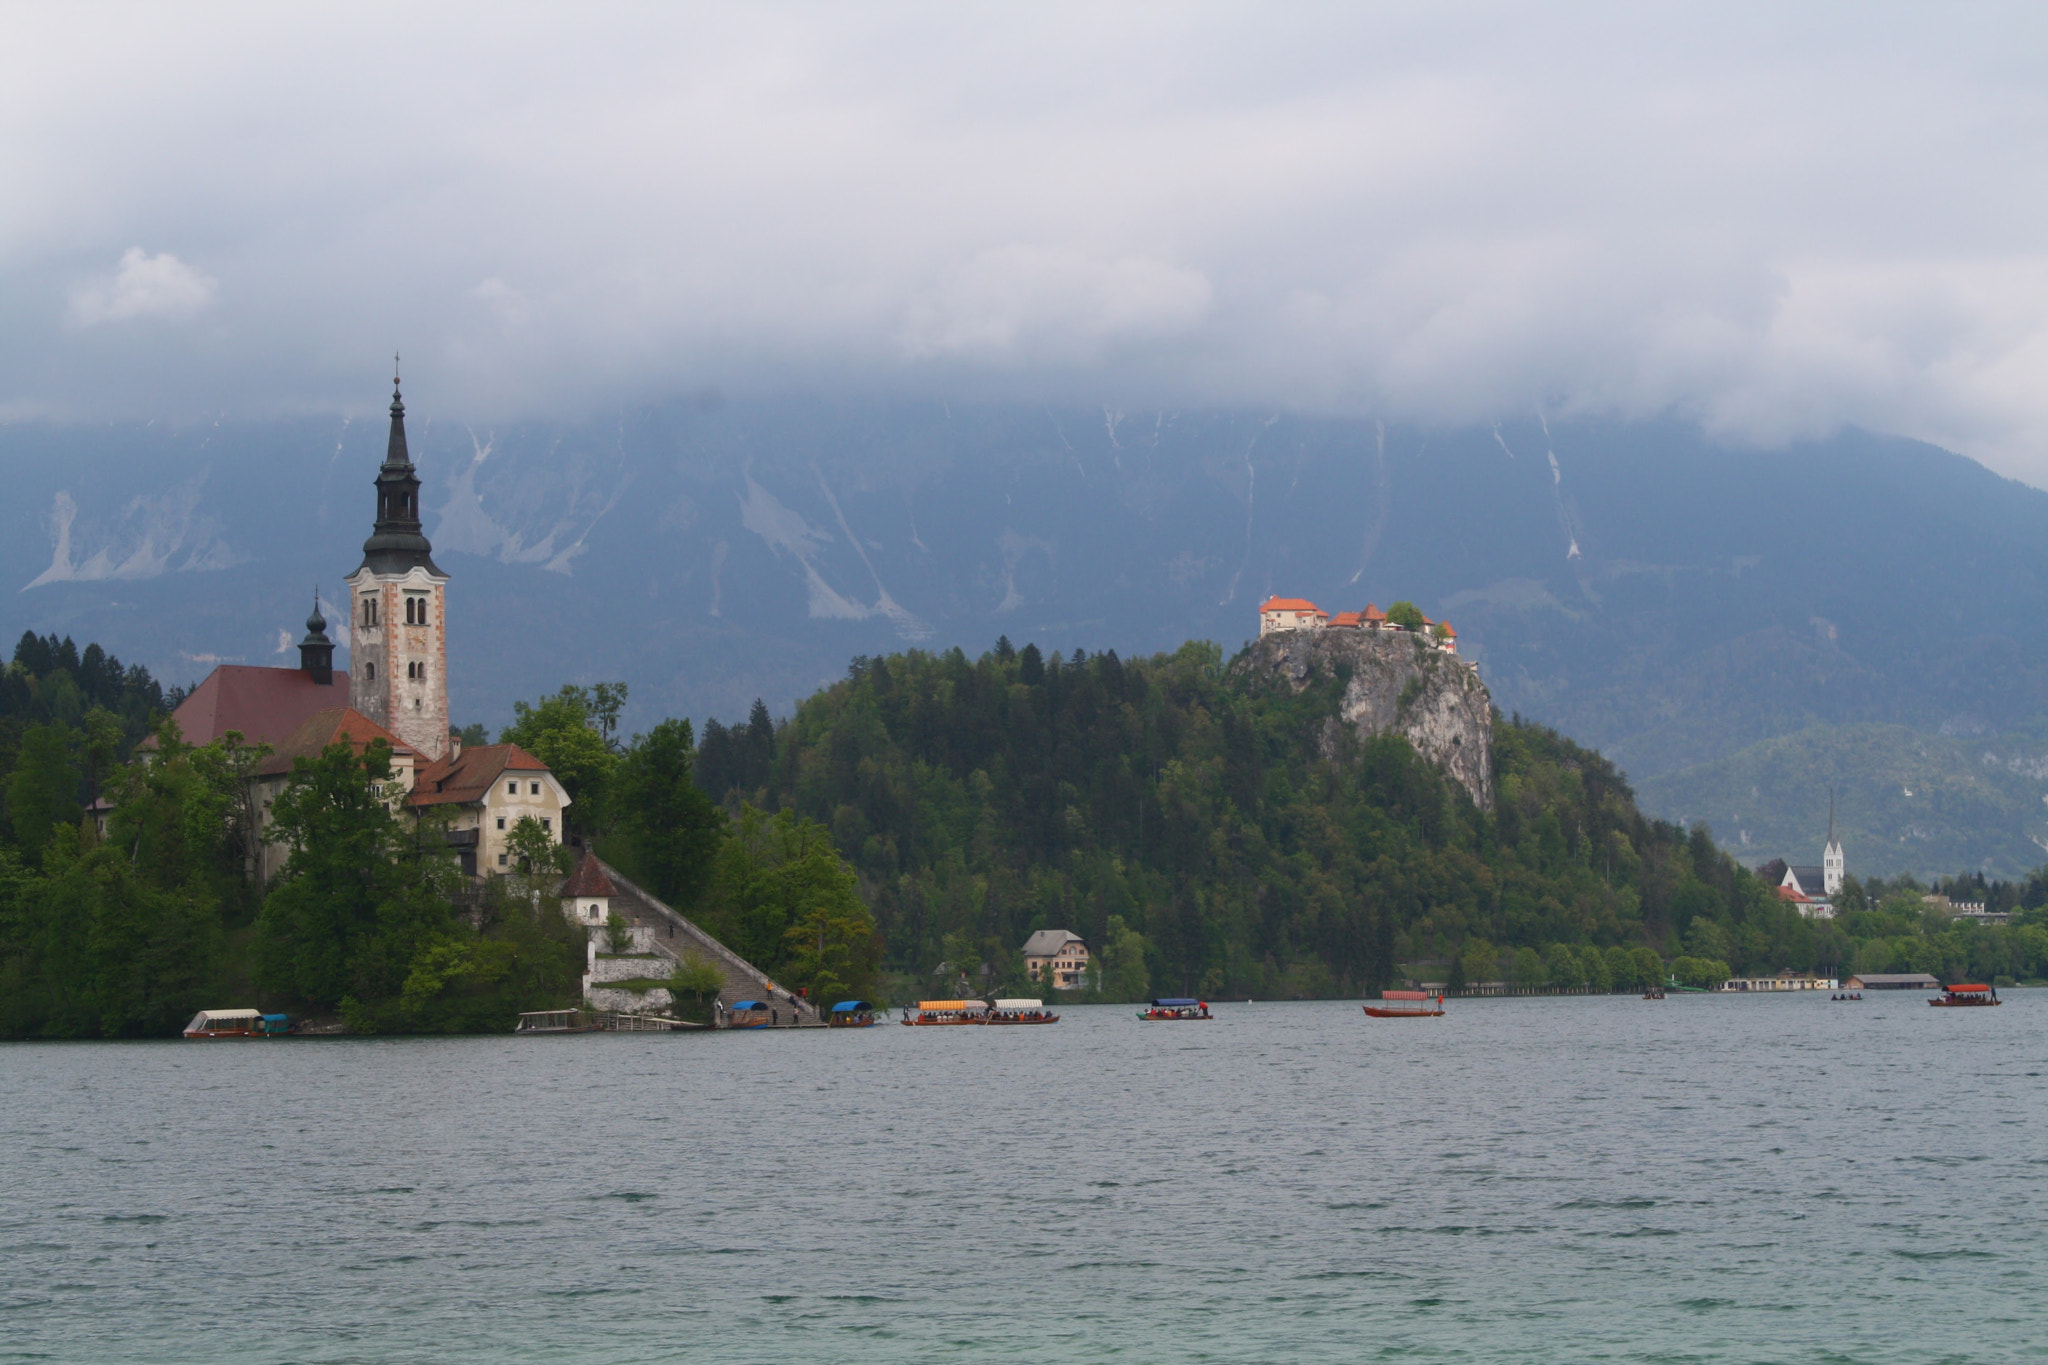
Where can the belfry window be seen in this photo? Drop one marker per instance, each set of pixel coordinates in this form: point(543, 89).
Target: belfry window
point(369, 611)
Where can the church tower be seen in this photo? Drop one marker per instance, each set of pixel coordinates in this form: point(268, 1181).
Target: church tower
point(398, 650)
point(1832, 864)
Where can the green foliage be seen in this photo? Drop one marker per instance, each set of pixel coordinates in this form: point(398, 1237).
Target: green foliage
point(669, 829)
point(1125, 977)
point(693, 986)
point(568, 732)
point(1407, 614)
point(981, 799)
point(1705, 973)
point(783, 899)
point(618, 934)
point(42, 791)
point(364, 892)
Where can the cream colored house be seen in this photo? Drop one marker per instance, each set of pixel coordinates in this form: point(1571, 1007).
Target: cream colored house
point(490, 788)
point(1056, 957)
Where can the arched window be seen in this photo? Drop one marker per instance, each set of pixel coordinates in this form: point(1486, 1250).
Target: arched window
point(370, 672)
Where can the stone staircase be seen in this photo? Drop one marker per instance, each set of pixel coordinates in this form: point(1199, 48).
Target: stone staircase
point(670, 934)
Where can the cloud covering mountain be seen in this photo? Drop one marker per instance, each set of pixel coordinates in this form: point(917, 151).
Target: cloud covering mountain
point(1770, 221)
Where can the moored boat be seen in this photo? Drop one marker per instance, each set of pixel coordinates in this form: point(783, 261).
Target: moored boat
point(1174, 1009)
point(1018, 1011)
point(851, 1014)
point(749, 1014)
point(930, 1013)
point(1967, 994)
point(1413, 1005)
point(237, 1024)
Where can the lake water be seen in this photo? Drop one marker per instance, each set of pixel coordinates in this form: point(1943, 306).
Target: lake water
point(1704, 1179)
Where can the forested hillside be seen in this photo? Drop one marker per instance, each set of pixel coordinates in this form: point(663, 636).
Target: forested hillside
point(1187, 824)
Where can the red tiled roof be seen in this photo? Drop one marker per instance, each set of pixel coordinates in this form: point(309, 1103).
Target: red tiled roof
point(1373, 613)
point(323, 728)
point(1786, 893)
point(1447, 629)
point(469, 776)
point(588, 879)
point(1345, 618)
point(265, 704)
point(1288, 604)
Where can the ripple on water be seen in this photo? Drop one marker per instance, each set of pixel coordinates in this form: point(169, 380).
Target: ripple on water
point(1094, 1193)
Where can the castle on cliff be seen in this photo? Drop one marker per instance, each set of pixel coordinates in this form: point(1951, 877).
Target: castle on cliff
point(1298, 613)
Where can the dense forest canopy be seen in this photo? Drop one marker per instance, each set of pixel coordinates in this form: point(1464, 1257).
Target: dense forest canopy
point(1167, 807)
point(908, 826)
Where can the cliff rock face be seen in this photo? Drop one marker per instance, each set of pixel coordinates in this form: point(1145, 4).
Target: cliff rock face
point(1432, 699)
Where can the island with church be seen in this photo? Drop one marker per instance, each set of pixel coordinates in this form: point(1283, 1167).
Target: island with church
point(1334, 809)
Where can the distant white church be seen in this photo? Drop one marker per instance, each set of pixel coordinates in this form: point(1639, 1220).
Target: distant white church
point(1811, 888)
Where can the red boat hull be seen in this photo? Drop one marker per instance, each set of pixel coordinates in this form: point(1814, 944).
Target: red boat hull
point(1402, 1014)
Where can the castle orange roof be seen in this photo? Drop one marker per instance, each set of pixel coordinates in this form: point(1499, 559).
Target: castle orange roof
point(1373, 613)
point(1345, 618)
point(1289, 604)
point(1447, 629)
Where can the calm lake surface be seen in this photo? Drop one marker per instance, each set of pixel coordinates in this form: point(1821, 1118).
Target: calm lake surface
point(1703, 1179)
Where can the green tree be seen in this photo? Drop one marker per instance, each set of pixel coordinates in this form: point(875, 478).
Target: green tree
point(1126, 976)
point(831, 952)
point(42, 792)
point(771, 874)
point(1405, 613)
point(1528, 969)
point(362, 893)
point(670, 828)
point(692, 987)
point(563, 731)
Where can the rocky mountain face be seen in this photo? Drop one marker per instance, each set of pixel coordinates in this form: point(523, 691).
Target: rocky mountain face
point(1654, 595)
point(1394, 682)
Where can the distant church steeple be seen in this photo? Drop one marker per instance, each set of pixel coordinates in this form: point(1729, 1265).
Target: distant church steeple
point(397, 543)
point(398, 641)
point(316, 651)
point(1832, 863)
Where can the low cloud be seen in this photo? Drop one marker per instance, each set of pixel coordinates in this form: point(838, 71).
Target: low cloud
point(143, 286)
point(1775, 222)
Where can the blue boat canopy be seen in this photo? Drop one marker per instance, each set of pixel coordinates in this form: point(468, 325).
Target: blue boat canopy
point(276, 1018)
point(851, 1007)
point(1176, 1003)
point(750, 1005)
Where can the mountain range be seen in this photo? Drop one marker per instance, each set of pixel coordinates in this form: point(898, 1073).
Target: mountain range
point(1739, 629)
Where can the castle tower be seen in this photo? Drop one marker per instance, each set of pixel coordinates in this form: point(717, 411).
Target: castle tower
point(398, 650)
point(1832, 864)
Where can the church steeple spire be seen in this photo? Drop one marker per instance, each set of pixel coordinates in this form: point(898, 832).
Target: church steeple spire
point(397, 543)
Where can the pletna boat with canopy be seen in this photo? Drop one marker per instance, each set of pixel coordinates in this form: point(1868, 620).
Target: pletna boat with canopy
point(936, 1012)
point(1972, 994)
point(1174, 1008)
point(237, 1024)
point(1021, 1011)
point(1412, 1005)
point(748, 1014)
point(851, 1014)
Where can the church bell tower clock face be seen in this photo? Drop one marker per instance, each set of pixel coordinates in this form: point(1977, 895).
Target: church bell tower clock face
point(398, 655)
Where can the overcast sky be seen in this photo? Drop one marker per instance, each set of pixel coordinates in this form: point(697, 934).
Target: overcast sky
point(1773, 218)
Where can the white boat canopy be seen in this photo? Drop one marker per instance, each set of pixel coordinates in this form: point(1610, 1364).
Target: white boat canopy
point(1020, 1004)
point(205, 1017)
